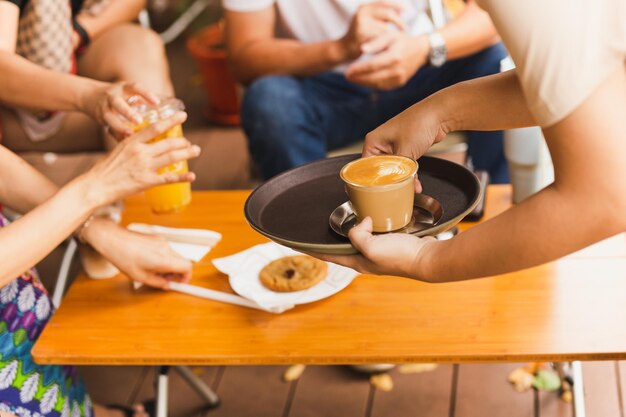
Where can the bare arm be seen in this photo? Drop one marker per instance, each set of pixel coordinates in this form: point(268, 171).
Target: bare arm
point(22, 187)
point(495, 102)
point(254, 51)
point(26, 241)
point(9, 16)
point(130, 168)
point(469, 32)
point(585, 204)
point(25, 84)
point(116, 12)
point(44, 88)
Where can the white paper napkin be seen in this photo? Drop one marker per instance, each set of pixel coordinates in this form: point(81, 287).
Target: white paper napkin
point(243, 270)
point(189, 251)
point(192, 244)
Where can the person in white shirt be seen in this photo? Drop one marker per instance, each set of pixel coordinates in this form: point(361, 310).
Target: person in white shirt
point(320, 74)
point(571, 81)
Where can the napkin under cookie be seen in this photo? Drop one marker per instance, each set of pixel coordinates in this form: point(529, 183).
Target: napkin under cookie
point(243, 270)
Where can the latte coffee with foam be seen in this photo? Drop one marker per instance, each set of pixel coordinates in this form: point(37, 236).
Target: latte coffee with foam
point(381, 187)
point(379, 170)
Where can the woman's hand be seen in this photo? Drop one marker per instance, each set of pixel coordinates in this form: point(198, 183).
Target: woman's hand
point(132, 166)
point(143, 258)
point(109, 105)
point(410, 133)
point(398, 254)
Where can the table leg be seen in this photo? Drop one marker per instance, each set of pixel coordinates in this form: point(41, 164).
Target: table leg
point(578, 389)
point(162, 393)
point(199, 385)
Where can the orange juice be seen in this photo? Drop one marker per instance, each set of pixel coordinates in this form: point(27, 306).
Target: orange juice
point(168, 198)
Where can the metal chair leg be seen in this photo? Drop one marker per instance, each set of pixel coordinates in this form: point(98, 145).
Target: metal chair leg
point(162, 391)
point(185, 19)
point(199, 385)
point(571, 373)
point(196, 383)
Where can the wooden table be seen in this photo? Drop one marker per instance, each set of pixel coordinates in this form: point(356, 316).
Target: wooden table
point(573, 309)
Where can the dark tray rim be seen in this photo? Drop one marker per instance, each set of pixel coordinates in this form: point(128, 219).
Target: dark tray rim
point(347, 248)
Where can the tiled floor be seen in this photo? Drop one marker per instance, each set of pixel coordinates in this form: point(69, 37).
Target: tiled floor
point(450, 390)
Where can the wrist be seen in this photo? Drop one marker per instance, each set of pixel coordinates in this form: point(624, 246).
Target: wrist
point(77, 201)
point(424, 266)
point(420, 49)
point(440, 107)
point(339, 52)
point(100, 233)
point(87, 192)
point(85, 92)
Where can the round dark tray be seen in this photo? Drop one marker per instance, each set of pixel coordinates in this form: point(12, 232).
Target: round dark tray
point(293, 208)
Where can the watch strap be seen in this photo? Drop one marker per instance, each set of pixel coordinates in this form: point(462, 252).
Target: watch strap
point(438, 51)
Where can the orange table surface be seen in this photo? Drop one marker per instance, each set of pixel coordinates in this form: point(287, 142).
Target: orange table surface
point(572, 309)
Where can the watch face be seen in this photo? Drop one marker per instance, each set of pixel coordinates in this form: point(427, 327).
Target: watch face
point(437, 58)
point(438, 51)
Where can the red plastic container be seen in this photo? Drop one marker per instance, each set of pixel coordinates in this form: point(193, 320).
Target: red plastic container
point(209, 50)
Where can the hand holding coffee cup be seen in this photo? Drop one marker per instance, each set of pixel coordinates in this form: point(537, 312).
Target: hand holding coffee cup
point(381, 187)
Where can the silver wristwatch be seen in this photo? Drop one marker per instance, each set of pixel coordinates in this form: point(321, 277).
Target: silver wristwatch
point(438, 54)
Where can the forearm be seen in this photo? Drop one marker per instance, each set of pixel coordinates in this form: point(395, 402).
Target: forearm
point(542, 228)
point(22, 187)
point(470, 32)
point(116, 12)
point(24, 84)
point(495, 102)
point(285, 57)
point(26, 241)
point(585, 204)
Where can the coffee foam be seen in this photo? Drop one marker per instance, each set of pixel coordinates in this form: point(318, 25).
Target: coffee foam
point(378, 170)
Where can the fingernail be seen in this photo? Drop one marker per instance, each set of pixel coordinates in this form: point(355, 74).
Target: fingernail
point(196, 149)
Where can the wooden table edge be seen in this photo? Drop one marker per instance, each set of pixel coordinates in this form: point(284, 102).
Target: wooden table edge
point(324, 360)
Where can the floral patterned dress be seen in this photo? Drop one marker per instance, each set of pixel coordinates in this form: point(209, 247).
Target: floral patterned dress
point(28, 389)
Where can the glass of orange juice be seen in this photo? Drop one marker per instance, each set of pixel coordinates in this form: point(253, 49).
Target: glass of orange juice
point(170, 198)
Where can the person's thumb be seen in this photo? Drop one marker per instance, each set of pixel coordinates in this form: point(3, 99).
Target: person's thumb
point(361, 235)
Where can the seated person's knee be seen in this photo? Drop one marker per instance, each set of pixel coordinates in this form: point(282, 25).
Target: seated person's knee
point(269, 103)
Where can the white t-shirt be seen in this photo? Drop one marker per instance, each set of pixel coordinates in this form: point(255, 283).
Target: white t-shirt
point(319, 20)
point(563, 49)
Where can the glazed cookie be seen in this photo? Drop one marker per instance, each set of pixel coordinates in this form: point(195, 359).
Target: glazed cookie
point(293, 273)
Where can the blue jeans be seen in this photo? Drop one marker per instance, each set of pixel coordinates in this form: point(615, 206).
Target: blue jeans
point(290, 121)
